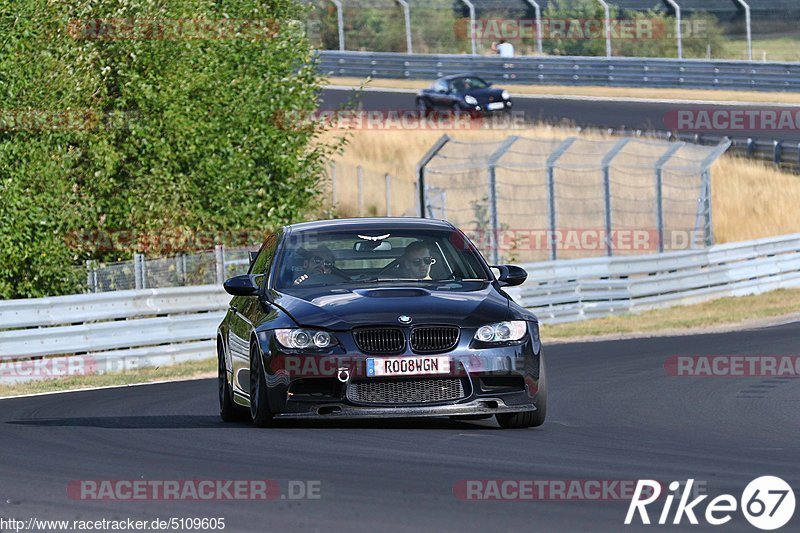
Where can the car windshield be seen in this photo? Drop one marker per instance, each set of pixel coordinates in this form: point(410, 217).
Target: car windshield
point(376, 257)
point(466, 84)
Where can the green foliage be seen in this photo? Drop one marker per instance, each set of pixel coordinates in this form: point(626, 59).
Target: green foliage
point(181, 135)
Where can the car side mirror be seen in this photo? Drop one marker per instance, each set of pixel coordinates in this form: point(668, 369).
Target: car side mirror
point(511, 275)
point(244, 285)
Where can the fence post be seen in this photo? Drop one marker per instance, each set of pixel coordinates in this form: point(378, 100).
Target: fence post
point(748, 22)
point(607, 159)
point(705, 167)
point(219, 260)
point(138, 270)
point(473, 37)
point(360, 179)
point(333, 183)
point(678, 29)
point(607, 26)
point(388, 195)
point(407, 17)
point(340, 22)
point(660, 190)
point(494, 225)
point(777, 152)
point(538, 11)
point(420, 171)
point(551, 191)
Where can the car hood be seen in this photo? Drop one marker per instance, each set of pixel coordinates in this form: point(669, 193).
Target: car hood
point(344, 308)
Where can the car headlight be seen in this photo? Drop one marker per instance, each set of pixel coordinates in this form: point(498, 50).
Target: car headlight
point(506, 96)
point(471, 100)
point(502, 331)
point(300, 339)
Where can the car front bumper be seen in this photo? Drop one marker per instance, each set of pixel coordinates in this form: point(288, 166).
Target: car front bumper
point(501, 379)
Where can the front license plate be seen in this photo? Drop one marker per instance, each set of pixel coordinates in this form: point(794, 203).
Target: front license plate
point(496, 105)
point(407, 366)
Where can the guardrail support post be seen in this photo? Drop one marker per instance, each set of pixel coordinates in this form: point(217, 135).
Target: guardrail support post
point(538, 11)
point(606, 164)
point(678, 28)
point(420, 171)
point(494, 225)
point(340, 22)
point(777, 152)
point(660, 190)
point(472, 36)
point(551, 191)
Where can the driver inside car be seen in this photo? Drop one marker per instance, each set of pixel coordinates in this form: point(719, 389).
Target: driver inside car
point(416, 262)
point(318, 262)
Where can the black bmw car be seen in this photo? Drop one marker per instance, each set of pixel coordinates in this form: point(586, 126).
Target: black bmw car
point(378, 318)
point(463, 93)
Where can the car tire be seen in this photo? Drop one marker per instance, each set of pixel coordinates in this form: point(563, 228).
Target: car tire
point(260, 413)
point(228, 410)
point(528, 419)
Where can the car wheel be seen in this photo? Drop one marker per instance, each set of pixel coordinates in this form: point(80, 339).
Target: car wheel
point(528, 419)
point(422, 108)
point(228, 410)
point(259, 400)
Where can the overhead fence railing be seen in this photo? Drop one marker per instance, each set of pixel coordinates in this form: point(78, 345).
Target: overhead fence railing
point(96, 333)
point(531, 199)
point(562, 70)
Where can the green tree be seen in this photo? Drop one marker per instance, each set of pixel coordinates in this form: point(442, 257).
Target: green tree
point(183, 135)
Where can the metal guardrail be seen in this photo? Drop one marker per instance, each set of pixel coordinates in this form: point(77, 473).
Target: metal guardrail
point(565, 70)
point(96, 333)
point(571, 290)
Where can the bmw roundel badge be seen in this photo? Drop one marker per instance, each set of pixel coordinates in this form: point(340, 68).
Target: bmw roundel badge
point(404, 319)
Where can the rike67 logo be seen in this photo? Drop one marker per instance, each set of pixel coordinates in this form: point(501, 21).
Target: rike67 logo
point(767, 502)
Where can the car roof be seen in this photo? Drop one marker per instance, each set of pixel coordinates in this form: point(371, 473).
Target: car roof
point(456, 76)
point(366, 224)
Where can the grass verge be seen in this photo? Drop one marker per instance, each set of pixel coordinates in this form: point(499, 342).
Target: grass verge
point(726, 312)
point(189, 370)
point(600, 92)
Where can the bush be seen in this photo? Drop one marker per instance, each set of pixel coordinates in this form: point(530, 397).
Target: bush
point(147, 136)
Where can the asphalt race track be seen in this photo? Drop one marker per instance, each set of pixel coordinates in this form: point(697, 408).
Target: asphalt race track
point(575, 111)
point(614, 414)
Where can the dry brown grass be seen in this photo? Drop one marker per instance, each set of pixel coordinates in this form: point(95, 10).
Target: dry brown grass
point(601, 92)
point(751, 199)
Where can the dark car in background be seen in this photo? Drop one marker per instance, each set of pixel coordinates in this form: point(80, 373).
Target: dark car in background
point(378, 318)
point(464, 93)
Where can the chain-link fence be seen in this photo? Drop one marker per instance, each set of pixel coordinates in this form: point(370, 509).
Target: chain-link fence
point(530, 199)
point(201, 268)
